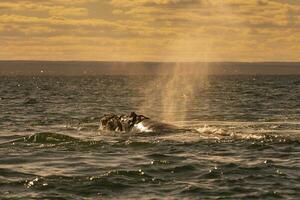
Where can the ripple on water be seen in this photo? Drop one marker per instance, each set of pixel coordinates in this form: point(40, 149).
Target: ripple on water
point(245, 143)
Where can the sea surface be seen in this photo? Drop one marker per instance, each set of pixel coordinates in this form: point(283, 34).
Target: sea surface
point(245, 142)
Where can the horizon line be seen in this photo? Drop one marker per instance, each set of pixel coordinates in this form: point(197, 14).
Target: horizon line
point(119, 61)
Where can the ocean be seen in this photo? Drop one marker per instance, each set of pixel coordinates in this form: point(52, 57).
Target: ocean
point(245, 143)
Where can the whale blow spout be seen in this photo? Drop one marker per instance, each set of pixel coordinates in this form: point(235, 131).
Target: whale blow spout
point(133, 123)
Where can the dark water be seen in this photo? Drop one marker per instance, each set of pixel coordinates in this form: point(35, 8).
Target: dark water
point(246, 143)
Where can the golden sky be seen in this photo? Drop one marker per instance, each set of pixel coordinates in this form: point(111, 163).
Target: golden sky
point(150, 30)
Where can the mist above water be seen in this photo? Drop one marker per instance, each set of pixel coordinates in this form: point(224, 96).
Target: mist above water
point(173, 93)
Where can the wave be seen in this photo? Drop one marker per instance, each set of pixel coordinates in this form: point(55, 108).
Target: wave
point(251, 132)
point(44, 137)
point(264, 132)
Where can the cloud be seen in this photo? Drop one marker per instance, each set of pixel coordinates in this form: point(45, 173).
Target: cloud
point(19, 19)
point(150, 29)
point(50, 9)
point(128, 3)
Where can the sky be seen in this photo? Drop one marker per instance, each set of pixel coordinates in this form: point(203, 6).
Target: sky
point(150, 30)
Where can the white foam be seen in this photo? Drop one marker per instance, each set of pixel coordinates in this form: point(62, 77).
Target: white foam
point(207, 129)
point(142, 128)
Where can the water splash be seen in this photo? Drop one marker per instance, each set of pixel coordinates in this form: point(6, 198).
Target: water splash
point(179, 92)
point(172, 93)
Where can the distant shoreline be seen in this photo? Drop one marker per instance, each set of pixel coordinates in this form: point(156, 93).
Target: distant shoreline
point(90, 68)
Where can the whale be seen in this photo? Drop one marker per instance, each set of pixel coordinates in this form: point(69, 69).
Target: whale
point(136, 124)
